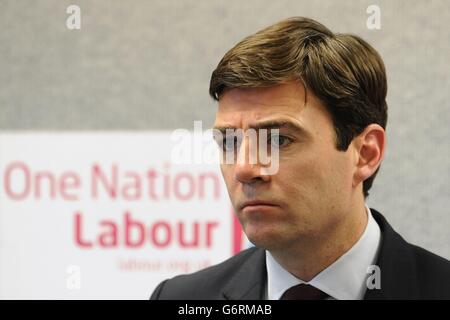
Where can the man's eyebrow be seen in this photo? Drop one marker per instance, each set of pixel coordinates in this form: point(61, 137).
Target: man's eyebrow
point(269, 124)
point(223, 129)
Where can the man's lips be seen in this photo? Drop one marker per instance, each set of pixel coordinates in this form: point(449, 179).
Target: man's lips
point(254, 203)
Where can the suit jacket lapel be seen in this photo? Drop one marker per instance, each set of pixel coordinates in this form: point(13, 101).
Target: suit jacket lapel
point(397, 266)
point(250, 280)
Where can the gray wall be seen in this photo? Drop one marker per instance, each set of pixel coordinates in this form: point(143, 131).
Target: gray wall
point(143, 65)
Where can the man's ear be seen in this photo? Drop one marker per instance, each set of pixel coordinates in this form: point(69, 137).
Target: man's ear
point(369, 147)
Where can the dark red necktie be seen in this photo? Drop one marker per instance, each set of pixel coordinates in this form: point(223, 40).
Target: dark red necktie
point(303, 292)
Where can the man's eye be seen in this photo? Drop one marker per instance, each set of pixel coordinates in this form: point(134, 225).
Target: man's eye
point(279, 141)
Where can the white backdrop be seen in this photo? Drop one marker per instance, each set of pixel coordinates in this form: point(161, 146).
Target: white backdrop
point(66, 200)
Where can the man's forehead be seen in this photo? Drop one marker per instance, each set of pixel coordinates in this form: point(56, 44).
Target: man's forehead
point(280, 95)
point(284, 102)
point(247, 107)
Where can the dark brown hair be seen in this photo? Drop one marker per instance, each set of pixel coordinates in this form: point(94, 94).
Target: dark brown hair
point(342, 70)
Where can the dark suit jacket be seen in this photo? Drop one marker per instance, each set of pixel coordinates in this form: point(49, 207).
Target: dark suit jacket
point(407, 272)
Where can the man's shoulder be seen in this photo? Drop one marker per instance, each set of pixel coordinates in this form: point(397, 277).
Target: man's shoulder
point(427, 260)
point(410, 271)
point(207, 283)
point(433, 273)
point(424, 260)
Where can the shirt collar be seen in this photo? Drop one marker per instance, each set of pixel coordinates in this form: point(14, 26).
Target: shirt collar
point(344, 279)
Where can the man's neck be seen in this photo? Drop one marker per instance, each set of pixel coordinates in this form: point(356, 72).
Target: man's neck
point(314, 255)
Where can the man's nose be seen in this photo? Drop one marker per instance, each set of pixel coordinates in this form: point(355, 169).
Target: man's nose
point(247, 168)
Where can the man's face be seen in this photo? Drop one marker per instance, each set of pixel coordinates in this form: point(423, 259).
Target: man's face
point(308, 194)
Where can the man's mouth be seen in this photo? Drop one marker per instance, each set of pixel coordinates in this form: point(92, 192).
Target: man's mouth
point(256, 203)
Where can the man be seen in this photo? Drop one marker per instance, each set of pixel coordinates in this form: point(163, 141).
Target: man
point(314, 236)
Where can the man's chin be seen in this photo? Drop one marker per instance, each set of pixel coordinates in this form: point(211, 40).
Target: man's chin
point(266, 239)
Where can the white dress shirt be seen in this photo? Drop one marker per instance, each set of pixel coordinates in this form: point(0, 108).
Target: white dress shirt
point(344, 279)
